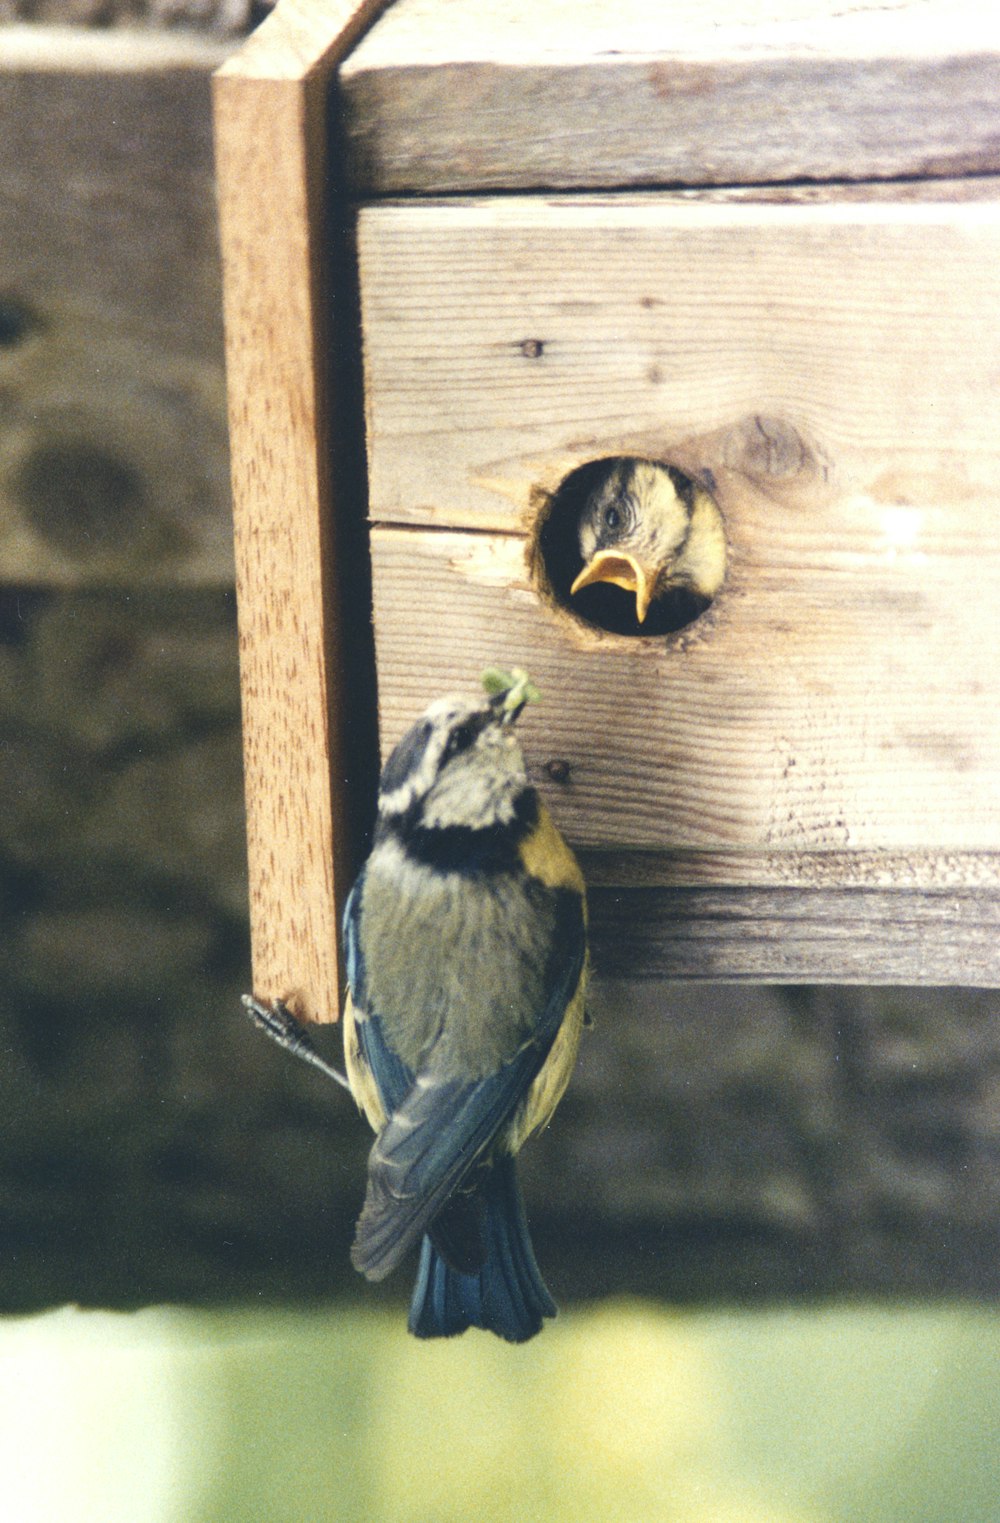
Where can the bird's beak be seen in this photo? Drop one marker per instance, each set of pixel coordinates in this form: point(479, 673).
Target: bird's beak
point(509, 692)
point(621, 571)
point(504, 713)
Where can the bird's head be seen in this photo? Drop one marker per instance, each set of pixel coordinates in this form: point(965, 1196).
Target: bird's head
point(459, 765)
point(648, 528)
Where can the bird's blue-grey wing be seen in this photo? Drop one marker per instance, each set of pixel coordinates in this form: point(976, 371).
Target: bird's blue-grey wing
point(350, 926)
point(393, 1079)
point(445, 1123)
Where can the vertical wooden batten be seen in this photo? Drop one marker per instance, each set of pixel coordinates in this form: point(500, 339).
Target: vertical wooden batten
point(286, 397)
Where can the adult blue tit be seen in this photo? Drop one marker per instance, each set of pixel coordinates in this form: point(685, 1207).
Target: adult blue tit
point(650, 529)
point(465, 940)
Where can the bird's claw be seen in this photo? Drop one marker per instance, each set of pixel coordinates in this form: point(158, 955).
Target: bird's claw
point(281, 1026)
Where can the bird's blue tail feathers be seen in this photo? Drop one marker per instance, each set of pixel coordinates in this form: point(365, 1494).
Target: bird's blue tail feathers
point(506, 1295)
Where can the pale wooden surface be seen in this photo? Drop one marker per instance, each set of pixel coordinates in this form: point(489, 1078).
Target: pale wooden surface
point(833, 366)
point(688, 868)
point(303, 41)
point(658, 321)
point(833, 722)
point(108, 232)
point(832, 701)
point(271, 144)
point(444, 95)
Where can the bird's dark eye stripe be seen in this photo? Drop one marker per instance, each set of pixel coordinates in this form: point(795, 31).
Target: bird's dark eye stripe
point(683, 486)
point(406, 758)
point(461, 739)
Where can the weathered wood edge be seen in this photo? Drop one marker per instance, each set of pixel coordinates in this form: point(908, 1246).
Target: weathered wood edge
point(840, 870)
point(302, 41)
point(439, 104)
point(927, 189)
point(271, 113)
point(834, 936)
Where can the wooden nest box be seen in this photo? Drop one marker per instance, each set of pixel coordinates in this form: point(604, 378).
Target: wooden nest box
point(473, 250)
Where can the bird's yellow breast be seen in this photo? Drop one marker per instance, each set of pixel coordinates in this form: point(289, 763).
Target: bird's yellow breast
point(550, 1083)
point(359, 1075)
point(545, 856)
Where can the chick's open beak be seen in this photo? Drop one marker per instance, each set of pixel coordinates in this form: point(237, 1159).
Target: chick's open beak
point(620, 570)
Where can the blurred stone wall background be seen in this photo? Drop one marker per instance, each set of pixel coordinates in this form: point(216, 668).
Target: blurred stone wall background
point(716, 1142)
point(214, 18)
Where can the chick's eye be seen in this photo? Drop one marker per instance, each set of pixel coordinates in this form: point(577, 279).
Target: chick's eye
point(612, 517)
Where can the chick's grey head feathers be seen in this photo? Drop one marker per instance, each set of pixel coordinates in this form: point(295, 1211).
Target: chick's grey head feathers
point(459, 765)
point(647, 528)
point(640, 505)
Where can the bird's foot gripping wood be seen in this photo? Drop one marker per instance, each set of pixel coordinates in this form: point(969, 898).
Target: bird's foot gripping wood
point(281, 1026)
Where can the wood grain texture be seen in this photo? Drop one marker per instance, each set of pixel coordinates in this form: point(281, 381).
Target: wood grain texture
point(833, 721)
point(576, 94)
point(857, 936)
point(508, 340)
point(113, 461)
point(826, 703)
point(302, 40)
point(834, 869)
point(271, 105)
point(835, 368)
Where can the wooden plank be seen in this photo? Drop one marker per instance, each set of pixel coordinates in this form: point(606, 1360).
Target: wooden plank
point(832, 722)
point(300, 41)
point(929, 188)
point(271, 113)
point(913, 870)
point(831, 701)
point(508, 340)
point(113, 459)
point(855, 936)
point(577, 94)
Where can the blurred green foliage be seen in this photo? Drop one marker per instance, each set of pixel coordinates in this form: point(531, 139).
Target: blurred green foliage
point(622, 1413)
